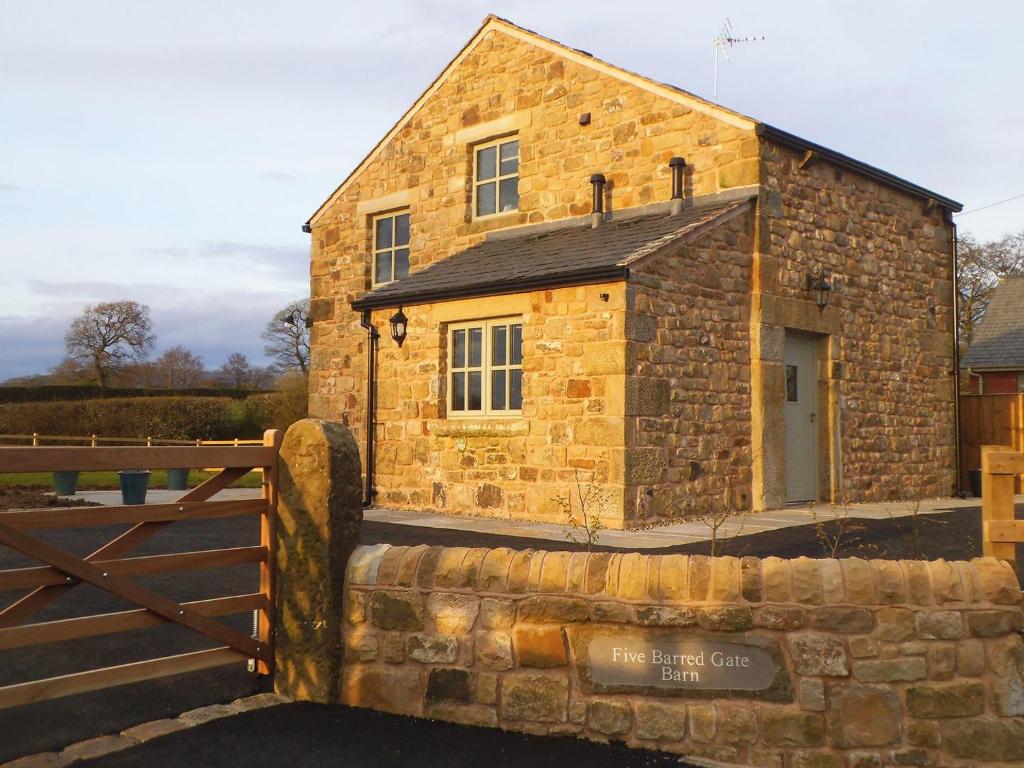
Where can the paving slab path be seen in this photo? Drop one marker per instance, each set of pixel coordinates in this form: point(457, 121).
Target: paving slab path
point(659, 537)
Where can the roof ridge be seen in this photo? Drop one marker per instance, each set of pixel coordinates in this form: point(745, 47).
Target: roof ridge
point(623, 215)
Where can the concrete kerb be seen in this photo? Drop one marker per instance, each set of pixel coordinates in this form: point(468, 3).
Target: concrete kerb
point(138, 734)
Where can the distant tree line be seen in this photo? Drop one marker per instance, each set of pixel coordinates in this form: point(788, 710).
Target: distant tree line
point(980, 265)
point(110, 343)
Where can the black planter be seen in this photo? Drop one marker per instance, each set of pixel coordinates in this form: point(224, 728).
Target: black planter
point(974, 480)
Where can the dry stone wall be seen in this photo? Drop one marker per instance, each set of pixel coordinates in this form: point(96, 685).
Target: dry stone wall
point(877, 663)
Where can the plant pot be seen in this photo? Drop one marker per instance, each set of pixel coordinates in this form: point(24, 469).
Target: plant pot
point(65, 483)
point(974, 480)
point(177, 479)
point(134, 484)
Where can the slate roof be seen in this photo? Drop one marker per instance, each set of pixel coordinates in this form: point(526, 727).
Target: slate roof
point(999, 341)
point(545, 256)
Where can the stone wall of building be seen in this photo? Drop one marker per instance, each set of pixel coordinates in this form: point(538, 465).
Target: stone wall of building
point(504, 86)
point(891, 318)
point(688, 389)
point(521, 466)
point(879, 663)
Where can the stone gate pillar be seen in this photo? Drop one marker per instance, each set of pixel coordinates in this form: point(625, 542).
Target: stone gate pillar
point(319, 517)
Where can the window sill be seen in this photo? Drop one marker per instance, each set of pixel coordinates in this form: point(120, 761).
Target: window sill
point(479, 426)
point(497, 221)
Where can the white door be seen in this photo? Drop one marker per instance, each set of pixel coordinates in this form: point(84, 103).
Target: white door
point(800, 411)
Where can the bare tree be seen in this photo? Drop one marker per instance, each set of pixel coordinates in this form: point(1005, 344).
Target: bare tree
point(237, 370)
point(264, 377)
point(178, 368)
point(979, 267)
point(287, 337)
point(69, 371)
point(108, 335)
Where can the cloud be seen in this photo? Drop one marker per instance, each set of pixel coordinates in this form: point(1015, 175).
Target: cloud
point(30, 345)
point(96, 290)
point(285, 260)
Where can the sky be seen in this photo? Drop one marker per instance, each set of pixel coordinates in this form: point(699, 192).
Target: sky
point(169, 152)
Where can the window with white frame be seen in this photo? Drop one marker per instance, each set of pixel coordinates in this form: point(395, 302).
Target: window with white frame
point(390, 246)
point(485, 368)
point(496, 177)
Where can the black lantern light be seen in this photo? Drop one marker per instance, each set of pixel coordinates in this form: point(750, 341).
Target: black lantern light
point(399, 326)
point(819, 286)
point(297, 317)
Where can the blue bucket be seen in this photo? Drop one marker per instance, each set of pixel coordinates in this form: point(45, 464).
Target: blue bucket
point(177, 479)
point(65, 483)
point(134, 484)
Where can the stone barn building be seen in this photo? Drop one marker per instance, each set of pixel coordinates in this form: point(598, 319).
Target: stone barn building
point(609, 280)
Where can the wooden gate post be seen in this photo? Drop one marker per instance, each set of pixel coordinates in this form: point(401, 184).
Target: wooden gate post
point(319, 517)
point(997, 484)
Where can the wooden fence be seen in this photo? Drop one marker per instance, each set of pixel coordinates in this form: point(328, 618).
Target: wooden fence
point(95, 441)
point(109, 569)
point(990, 420)
point(1001, 465)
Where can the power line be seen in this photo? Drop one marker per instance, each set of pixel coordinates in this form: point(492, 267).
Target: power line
point(990, 205)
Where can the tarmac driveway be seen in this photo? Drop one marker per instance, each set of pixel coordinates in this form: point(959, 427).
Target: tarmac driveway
point(314, 736)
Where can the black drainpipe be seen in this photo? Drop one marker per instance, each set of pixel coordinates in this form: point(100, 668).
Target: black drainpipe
point(955, 256)
point(371, 403)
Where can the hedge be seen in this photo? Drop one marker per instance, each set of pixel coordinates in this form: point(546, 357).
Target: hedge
point(168, 418)
point(52, 392)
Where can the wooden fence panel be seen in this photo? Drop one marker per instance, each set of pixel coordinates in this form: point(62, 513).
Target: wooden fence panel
point(990, 420)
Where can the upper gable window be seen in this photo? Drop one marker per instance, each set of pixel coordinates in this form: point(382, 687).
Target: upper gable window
point(496, 177)
point(390, 247)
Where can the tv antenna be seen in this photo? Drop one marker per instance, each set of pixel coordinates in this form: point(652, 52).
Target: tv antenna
point(725, 40)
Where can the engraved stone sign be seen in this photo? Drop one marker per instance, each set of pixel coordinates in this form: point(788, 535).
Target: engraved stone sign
point(679, 662)
point(697, 663)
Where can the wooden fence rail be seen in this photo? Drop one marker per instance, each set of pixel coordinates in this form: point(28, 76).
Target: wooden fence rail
point(1001, 531)
point(109, 569)
point(37, 439)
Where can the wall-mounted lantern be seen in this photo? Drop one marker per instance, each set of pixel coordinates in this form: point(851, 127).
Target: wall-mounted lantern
point(297, 317)
point(399, 326)
point(820, 288)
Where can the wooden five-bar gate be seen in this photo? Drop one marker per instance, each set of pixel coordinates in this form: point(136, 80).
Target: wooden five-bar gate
point(111, 569)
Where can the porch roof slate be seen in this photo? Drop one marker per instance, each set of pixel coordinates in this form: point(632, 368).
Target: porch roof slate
point(550, 255)
point(999, 342)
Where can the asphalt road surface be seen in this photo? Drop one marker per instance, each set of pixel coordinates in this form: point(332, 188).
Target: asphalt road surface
point(313, 736)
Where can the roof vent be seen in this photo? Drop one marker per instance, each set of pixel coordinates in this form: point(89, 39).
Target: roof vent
point(678, 165)
point(597, 214)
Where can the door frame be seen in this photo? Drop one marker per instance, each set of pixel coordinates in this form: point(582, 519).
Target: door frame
point(772, 317)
